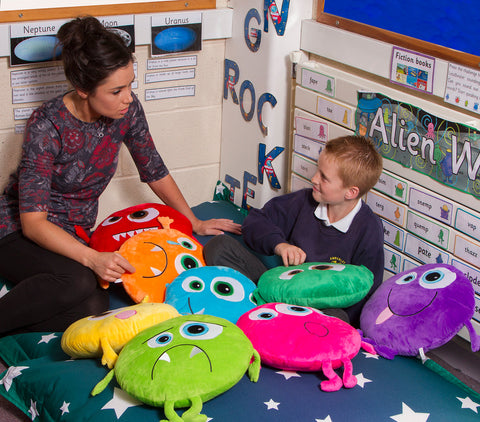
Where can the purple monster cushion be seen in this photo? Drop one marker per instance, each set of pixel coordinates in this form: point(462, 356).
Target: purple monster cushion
point(422, 308)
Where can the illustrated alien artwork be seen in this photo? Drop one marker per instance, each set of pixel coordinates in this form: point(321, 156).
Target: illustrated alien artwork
point(183, 362)
point(299, 338)
point(418, 310)
point(213, 290)
point(158, 257)
point(104, 335)
point(318, 284)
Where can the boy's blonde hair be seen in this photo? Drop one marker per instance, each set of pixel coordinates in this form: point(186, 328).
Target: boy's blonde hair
point(359, 163)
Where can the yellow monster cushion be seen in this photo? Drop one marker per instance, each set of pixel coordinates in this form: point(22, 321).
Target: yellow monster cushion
point(105, 335)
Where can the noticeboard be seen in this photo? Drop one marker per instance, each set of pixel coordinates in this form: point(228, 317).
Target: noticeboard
point(442, 28)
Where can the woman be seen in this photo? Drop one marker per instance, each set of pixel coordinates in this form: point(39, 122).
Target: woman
point(70, 153)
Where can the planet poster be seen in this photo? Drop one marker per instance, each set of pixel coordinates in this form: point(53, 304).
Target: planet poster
point(176, 33)
point(36, 42)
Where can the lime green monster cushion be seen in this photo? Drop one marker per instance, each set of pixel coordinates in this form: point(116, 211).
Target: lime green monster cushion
point(183, 362)
point(316, 284)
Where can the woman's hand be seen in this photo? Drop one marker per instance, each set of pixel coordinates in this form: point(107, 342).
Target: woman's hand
point(109, 266)
point(290, 254)
point(169, 193)
point(216, 226)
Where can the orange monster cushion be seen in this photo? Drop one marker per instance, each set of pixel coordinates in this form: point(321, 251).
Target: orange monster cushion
point(158, 256)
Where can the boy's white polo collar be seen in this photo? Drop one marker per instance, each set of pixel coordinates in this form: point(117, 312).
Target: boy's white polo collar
point(321, 212)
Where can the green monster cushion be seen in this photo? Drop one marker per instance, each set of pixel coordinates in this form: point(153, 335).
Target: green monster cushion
point(316, 284)
point(183, 362)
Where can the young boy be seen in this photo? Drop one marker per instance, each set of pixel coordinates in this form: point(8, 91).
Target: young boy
point(328, 223)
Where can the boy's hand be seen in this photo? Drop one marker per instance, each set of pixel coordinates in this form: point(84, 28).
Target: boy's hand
point(290, 254)
point(216, 226)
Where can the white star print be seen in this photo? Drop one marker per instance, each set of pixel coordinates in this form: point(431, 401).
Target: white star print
point(370, 356)
point(272, 404)
point(288, 374)
point(468, 403)
point(361, 380)
point(33, 409)
point(327, 419)
point(64, 408)
point(12, 372)
point(219, 189)
point(47, 338)
point(120, 402)
point(408, 415)
point(3, 291)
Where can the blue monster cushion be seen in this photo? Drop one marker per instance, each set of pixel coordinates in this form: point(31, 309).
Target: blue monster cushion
point(219, 291)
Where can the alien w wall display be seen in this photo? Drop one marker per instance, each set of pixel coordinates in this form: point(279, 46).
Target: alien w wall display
point(448, 152)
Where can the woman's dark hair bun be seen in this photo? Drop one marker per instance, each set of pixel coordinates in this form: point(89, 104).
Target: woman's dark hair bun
point(90, 52)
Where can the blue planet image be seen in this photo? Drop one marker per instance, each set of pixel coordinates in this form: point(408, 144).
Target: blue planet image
point(175, 38)
point(38, 49)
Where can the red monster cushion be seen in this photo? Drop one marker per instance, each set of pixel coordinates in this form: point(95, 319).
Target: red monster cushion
point(122, 225)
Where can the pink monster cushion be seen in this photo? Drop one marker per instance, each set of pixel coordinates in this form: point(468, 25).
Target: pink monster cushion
point(299, 338)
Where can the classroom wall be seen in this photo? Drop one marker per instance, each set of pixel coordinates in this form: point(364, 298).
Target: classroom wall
point(186, 130)
point(428, 220)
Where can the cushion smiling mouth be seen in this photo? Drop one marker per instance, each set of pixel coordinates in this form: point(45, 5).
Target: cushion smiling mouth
point(388, 312)
point(200, 312)
point(124, 235)
point(155, 271)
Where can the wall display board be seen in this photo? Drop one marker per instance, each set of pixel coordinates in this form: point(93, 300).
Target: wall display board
point(444, 29)
point(36, 42)
point(173, 79)
point(256, 106)
point(176, 33)
point(446, 151)
point(427, 195)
